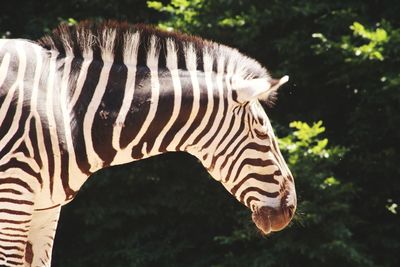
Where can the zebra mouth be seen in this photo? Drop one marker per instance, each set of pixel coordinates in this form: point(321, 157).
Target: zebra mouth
point(262, 221)
point(269, 219)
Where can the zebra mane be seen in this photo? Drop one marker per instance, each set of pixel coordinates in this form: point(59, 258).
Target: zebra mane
point(113, 40)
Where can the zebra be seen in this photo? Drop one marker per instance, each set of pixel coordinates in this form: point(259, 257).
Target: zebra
point(98, 94)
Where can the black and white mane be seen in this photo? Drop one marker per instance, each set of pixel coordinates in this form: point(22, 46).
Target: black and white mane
point(109, 40)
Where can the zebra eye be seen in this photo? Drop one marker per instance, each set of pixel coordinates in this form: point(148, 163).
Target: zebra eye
point(260, 120)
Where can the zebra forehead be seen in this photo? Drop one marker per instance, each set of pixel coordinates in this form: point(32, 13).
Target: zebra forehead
point(110, 40)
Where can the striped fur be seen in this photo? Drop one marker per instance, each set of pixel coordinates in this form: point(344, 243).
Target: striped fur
point(100, 94)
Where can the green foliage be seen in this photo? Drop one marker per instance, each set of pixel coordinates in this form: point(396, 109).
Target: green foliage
point(183, 13)
point(372, 50)
point(305, 139)
point(376, 39)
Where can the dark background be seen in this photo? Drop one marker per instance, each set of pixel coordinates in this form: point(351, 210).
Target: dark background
point(343, 61)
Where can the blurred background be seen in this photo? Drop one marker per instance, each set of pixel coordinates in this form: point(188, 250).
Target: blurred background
point(338, 120)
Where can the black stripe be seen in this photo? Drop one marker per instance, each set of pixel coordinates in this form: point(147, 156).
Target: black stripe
point(211, 119)
point(8, 121)
point(18, 134)
point(267, 178)
point(107, 113)
point(252, 162)
point(15, 256)
point(76, 67)
point(258, 190)
point(163, 114)
point(203, 104)
point(15, 163)
point(180, 50)
point(13, 241)
point(18, 182)
point(139, 107)
point(59, 121)
point(35, 142)
point(80, 109)
point(14, 212)
point(230, 155)
point(184, 112)
point(49, 150)
point(142, 50)
point(16, 201)
point(221, 123)
point(249, 199)
point(16, 230)
point(230, 142)
point(11, 191)
point(249, 146)
point(65, 176)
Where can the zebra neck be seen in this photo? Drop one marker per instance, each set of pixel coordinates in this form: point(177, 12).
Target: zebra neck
point(133, 114)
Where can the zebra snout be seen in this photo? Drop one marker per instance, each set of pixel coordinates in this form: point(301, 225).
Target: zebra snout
point(269, 219)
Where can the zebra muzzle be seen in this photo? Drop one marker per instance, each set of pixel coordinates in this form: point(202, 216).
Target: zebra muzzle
point(269, 219)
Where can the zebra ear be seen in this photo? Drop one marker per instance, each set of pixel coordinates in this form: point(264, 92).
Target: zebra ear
point(248, 90)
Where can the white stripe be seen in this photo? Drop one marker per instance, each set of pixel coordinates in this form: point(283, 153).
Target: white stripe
point(94, 160)
point(131, 46)
point(152, 63)
point(30, 161)
point(88, 58)
point(51, 102)
point(107, 47)
point(28, 141)
point(6, 104)
point(218, 117)
point(38, 124)
point(120, 121)
point(4, 68)
point(218, 143)
point(208, 62)
point(230, 161)
point(264, 186)
point(264, 200)
point(130, 59)
point(172, 65)
point(221, 144)
point(19, 173)
point(76, 177)
point(190, 57)
point(3, 42)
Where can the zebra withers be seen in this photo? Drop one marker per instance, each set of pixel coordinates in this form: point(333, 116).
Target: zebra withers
point(95, 95)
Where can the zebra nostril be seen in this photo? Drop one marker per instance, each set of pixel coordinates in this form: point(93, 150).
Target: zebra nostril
point(288, 204)
point(261, 218)
point(290, 211)
point(288, 200)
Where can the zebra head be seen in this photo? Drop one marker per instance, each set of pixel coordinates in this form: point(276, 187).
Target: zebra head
point(246, 158)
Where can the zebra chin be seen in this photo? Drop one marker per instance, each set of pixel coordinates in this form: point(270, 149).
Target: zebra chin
point(268, 219)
